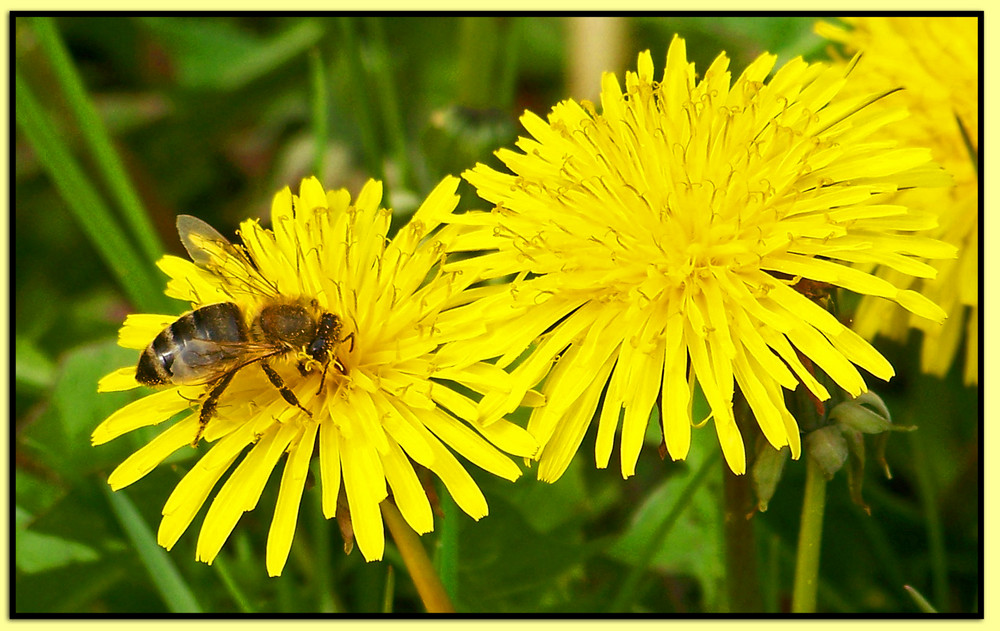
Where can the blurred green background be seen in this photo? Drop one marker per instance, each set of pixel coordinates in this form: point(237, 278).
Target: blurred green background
point(211, 117)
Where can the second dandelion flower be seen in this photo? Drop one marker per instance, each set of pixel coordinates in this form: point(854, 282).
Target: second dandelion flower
point(659, 244)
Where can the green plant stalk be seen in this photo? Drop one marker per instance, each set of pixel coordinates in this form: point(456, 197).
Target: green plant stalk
point(389, 103)
point(390, 589)
point(319, 107)
point(628, 589)
point(446, 557)
point(96, 136)
point(415, 557)
point(168, 581)
point(361, 106)
point(328, 602)
point(810, 540)
point(479, 49)
point(742, 580)
point(133, 273)
point(507, 82)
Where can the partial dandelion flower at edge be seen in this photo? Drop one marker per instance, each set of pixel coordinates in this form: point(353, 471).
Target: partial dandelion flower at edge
point(657, 245)
point(389, 404)
point(936, 60)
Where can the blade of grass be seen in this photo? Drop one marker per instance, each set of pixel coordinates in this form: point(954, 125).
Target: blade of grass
point(446, 554)
point(133, 273)
point(929, 504)
point(168, 581)
point(221, 567)
point(319, 111)
point(360, 103)
point(96, 136)
point(385, 92)
point(919, 600)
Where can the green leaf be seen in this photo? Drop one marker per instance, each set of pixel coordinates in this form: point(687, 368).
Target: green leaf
point(60, 437)
point(38, 552)
point(681, 520)
point(32, 368)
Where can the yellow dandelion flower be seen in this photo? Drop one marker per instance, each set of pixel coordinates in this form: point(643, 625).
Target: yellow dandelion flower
point(936, 60)
point(657, 244)
point(317, 335)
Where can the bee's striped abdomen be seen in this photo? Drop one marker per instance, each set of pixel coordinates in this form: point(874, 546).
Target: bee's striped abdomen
point(215, 323)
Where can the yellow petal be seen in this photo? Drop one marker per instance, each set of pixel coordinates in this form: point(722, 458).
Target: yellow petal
point(568, 434)
point(149, 410)
point(407, 492)
point(146, 459)
point(329, 466)
point(141, 328)
point(191, 492)
point(463, 440)
point(286, 510)
point(646, 374)
point(241, 491)
point(676, 395)
point(121, 379)
point(364, 484)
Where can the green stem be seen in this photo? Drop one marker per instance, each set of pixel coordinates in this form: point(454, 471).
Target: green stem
point(328, 601)
point(478, 42)
point(96, 136)
point(810, 539)
point(417, 562)
point(446, 559)
point(742, 581)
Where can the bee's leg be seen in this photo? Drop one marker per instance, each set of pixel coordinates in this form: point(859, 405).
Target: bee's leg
point(350, 336)
point(210, 404)
point(279, 383)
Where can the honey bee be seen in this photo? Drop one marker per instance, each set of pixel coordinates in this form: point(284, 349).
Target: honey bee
point(212, 343)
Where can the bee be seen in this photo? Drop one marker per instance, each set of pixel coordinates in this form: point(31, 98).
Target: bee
point(212, 343)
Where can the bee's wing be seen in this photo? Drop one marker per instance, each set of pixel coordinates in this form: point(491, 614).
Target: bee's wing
point(213, 252)
point(203, 361)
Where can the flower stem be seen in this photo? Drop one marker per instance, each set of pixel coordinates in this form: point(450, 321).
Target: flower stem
point(810, 538)
point(742, 580)
point(417, 562)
